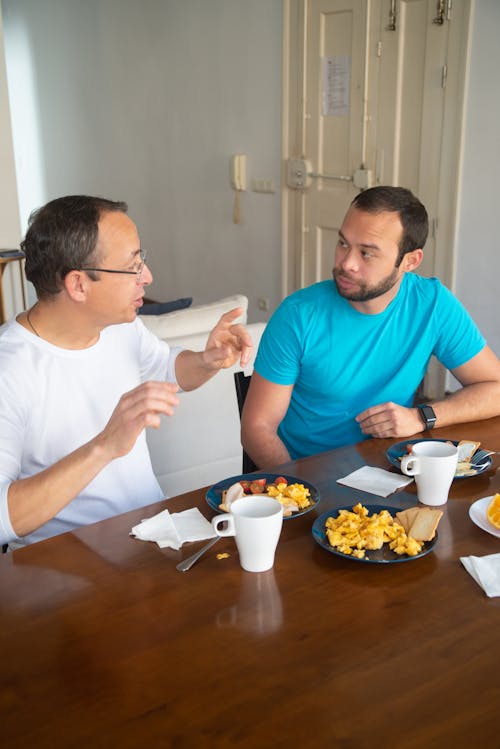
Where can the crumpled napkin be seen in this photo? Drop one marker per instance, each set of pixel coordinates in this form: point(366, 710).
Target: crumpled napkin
point(174, 530)
point(375, 480)
point(485, 571)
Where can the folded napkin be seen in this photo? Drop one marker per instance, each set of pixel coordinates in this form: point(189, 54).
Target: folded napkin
point(375, 480)
point(174, 530)
point(485, 571)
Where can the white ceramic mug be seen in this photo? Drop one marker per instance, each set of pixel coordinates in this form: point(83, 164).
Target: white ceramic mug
point(256, 524)
point(433, 464)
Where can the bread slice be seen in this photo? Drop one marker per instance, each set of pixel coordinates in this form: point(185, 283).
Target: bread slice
point(229, 495)
point(466, 449)
point(406, 517)
point(465, 469)
point(425, 523)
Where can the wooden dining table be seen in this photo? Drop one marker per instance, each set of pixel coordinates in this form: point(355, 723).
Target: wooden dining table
point(105, 644)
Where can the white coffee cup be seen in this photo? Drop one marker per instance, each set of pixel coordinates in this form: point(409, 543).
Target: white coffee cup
point(433, 464)
point(256, 524)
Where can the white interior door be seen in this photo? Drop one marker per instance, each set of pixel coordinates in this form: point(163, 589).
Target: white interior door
point(373, 95)
point(334, 127)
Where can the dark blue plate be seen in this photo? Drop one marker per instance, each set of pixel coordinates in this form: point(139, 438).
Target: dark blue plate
point(480, 462)
point(214, 494)
point(385, 555)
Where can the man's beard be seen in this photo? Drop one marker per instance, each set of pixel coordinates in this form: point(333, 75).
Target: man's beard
point(364, 292)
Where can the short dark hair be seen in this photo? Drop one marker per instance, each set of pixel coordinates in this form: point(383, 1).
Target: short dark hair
point(61, 237)
point(412, 213)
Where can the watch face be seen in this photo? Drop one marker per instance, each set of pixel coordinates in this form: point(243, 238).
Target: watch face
point(429, 417)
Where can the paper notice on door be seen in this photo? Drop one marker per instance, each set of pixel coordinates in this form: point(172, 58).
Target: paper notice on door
point(336, 74)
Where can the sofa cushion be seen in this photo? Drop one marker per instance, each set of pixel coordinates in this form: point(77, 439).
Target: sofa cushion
point(200, 443)
point(163, 308)
point(197, 319)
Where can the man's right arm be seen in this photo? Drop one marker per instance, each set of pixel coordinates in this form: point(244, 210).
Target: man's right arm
point(35, 500)
point(265, 407)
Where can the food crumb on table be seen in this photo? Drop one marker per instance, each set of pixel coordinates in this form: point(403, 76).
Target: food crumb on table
point(224, 555)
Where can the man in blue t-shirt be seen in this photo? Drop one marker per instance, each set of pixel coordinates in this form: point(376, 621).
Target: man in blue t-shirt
point(341, 360)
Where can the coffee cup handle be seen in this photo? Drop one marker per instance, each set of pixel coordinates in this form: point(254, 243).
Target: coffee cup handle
point(409, 465)
point(219, 520)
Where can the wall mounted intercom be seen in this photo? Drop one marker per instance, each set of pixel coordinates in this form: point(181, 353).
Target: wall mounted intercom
point(238, 172)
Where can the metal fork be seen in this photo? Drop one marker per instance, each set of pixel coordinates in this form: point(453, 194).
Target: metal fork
point(483, 454)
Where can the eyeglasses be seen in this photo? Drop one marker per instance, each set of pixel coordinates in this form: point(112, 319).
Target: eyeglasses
point(137, 272)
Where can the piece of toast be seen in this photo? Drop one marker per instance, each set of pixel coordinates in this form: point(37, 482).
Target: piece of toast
point(406, 517)
point(466, 449)
point(425, 523)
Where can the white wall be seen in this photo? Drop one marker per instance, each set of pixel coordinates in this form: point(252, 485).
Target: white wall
point(145, 101)
point(9, 210)
point(10, 225)
point(478, 236)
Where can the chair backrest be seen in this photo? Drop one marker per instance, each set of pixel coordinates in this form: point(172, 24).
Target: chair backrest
point(242, 381)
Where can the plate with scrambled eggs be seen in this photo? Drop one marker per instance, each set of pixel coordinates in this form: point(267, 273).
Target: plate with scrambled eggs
point(296, 495)
point(368, 533)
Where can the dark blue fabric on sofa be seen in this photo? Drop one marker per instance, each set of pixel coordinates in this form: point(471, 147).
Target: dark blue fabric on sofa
point(161, 308)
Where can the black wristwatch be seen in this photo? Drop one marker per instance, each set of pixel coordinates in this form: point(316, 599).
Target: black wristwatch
point(427, 415)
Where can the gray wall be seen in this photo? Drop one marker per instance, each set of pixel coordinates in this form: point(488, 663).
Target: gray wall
point(146, 101)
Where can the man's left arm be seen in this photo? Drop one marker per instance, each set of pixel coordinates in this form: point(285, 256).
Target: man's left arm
point(228, 343)
point(478, 398)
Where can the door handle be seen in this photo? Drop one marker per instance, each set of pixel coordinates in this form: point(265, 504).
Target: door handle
point(340, 177)
point(300, 174)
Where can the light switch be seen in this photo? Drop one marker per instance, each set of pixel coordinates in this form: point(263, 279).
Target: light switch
point(263, 185)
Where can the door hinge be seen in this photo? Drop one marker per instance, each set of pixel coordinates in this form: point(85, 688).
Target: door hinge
point(393, 17)
point(443, 11)
point(379, 49)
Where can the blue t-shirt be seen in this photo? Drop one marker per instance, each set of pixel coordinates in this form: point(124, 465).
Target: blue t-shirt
point(341, 361)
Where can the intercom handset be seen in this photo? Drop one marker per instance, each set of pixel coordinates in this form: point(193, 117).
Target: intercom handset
point(237, 172)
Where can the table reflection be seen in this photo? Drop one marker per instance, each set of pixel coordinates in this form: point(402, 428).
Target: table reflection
point(259, 610)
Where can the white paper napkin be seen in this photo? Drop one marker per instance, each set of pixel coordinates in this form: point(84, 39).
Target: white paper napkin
point(174, 530)
point(375, 480)
point(485, 571)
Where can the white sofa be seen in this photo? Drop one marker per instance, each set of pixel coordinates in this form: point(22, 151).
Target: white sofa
point(199, 444)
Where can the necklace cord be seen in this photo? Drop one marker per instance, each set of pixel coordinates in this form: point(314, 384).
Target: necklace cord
point(30, 323)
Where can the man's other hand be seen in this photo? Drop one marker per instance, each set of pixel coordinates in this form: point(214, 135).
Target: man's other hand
point(390, 420)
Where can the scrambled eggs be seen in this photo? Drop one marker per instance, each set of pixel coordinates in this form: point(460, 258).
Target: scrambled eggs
point(293, 497)
point(353, 532)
